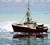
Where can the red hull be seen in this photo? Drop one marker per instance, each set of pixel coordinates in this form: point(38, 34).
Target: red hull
point(28, 30)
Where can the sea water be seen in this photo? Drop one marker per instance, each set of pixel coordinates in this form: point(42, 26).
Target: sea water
point(6, 38)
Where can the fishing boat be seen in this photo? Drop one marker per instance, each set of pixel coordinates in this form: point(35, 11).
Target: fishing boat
point(29, 27)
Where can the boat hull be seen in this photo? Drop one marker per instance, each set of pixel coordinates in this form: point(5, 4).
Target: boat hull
point(28, 30)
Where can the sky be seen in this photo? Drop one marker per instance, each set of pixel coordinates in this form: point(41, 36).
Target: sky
point(15, 10)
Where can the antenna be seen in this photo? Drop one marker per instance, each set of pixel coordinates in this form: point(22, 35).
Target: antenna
point(28, 5)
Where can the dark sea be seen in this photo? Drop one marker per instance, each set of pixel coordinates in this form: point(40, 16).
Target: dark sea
point(6, 38)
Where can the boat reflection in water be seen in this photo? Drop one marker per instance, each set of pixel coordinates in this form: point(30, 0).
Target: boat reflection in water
point(34, 35)
point(35, 39)
point(6, 39)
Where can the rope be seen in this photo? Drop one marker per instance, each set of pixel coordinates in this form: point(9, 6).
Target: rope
point(22, 19)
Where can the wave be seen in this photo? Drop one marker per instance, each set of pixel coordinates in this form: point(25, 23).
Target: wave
point(6, 26)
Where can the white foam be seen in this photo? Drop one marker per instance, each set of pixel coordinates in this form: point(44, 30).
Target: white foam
point(6, 26)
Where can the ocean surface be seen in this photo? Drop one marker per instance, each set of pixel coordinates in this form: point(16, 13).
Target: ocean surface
point(6, 38)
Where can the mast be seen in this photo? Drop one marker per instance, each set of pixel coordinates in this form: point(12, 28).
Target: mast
point(29, 20)
point(28, 13)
